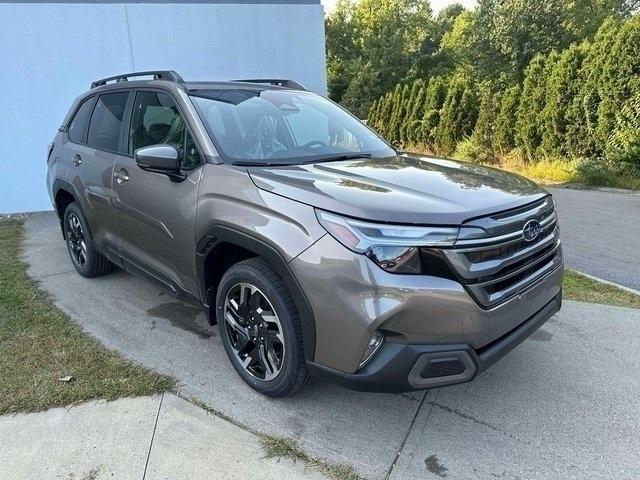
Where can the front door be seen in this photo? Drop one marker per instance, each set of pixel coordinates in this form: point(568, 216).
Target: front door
point(156, 216)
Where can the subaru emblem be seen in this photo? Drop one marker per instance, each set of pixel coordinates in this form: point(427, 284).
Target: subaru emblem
point(531, 230)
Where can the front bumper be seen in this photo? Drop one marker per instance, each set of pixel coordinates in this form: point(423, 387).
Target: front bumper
point(398, 367)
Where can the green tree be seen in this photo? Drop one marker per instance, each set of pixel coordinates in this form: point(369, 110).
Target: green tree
point(340, 48)
point(562, 88)
point(458, 116)
point(484, 131)
point(434, 101)
point(387, 36)
point(415, 118)
point(408, 111)
point(623, 145)
point(620, 77)
point(504, 138)
point(401, 95)
point(532, 102)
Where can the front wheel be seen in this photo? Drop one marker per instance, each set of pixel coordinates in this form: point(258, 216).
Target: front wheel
point(260, 328)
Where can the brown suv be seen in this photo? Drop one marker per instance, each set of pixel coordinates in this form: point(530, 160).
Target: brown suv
point(312, 243)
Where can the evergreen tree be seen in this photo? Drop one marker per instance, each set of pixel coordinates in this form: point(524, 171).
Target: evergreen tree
point(434, 101)
point(620, 77)
point(484, 131)
point(562, 88)
point(528, 131)
point(408, 112)
point(413, 129)
point(458, 115)
point(504, 138)
point(398, 111)
point(584, 111)
point(623, 145)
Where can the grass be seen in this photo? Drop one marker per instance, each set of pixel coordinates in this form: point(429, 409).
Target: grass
point(279, 447)
point(578, 287)
point(40, 345)
point(556, 171)
point(547, 171)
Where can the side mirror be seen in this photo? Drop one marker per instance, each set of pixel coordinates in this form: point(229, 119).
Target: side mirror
point(160, 159)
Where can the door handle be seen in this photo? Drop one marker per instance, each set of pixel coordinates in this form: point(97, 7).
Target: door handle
point(77, 159)
point(121, 176)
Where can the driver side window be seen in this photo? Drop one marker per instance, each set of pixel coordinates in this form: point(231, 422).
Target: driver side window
point(156, 120)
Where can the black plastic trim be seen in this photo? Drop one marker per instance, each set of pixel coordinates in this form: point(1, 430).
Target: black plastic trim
point(223, 234)
point(391, 368)
point(63, 185)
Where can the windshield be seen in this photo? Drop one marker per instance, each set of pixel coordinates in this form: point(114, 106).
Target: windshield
point(283, 127)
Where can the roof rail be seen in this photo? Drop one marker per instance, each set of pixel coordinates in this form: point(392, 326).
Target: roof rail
point(170, 75)
point(274, 81)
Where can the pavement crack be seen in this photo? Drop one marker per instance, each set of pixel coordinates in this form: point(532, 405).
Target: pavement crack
point(406, 436)
point(153, 434)
point(49, 275)
point(475, 420)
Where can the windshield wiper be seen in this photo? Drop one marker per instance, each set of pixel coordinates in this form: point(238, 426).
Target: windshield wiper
point(338, 158)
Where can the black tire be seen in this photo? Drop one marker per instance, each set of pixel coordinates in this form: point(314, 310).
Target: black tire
point(87, 261)
point(293, 371)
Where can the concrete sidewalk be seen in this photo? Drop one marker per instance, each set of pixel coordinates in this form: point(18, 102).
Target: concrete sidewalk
point(162, 437)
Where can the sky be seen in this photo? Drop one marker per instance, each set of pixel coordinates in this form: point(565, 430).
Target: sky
point(436, 5)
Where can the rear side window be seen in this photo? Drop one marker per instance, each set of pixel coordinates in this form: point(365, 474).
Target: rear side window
point(78, 126)
point(106, 122)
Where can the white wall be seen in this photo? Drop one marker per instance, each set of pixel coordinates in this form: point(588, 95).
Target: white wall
point(50, 53)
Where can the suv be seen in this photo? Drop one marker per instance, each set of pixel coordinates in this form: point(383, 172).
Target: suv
point(314, 245)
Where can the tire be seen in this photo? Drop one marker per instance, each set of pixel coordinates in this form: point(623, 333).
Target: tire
point(87, 261)
point(268, 317)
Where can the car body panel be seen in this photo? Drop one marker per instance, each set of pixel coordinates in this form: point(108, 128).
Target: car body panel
point(229, 197)
point(401, 189)
point(355, 297)
point(156, 222)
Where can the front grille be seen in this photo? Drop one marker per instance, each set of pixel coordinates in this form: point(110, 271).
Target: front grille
point(493, 260)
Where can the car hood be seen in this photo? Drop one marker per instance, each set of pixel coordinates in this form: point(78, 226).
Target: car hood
point(400, 189)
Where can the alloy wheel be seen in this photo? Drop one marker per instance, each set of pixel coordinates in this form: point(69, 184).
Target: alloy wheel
point(254, 331)
point(76, 240)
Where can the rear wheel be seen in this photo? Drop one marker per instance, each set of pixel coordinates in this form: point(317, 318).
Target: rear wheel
point(260, 328)
point(87, 261)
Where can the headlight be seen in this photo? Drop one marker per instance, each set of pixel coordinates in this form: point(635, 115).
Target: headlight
point(392, 247)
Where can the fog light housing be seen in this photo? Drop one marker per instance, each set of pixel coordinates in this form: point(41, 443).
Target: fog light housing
point(374, 343)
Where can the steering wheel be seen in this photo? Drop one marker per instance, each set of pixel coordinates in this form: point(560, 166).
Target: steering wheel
point(314, 143)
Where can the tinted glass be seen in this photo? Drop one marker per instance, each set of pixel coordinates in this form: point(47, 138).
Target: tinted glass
point(156, 120)
point(278, 126)
point(106, 121)
point(78, 126)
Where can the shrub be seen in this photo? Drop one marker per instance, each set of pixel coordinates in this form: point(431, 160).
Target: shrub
point(467, 150)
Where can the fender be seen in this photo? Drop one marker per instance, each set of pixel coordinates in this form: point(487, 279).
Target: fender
point(58, 185)
point(223, 234)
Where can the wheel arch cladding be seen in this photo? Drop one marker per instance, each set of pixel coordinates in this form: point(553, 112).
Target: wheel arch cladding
point(63, 194)
point(245, 246)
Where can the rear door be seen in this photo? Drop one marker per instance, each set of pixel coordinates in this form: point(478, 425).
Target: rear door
point(93, 155)
point(156, 216)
